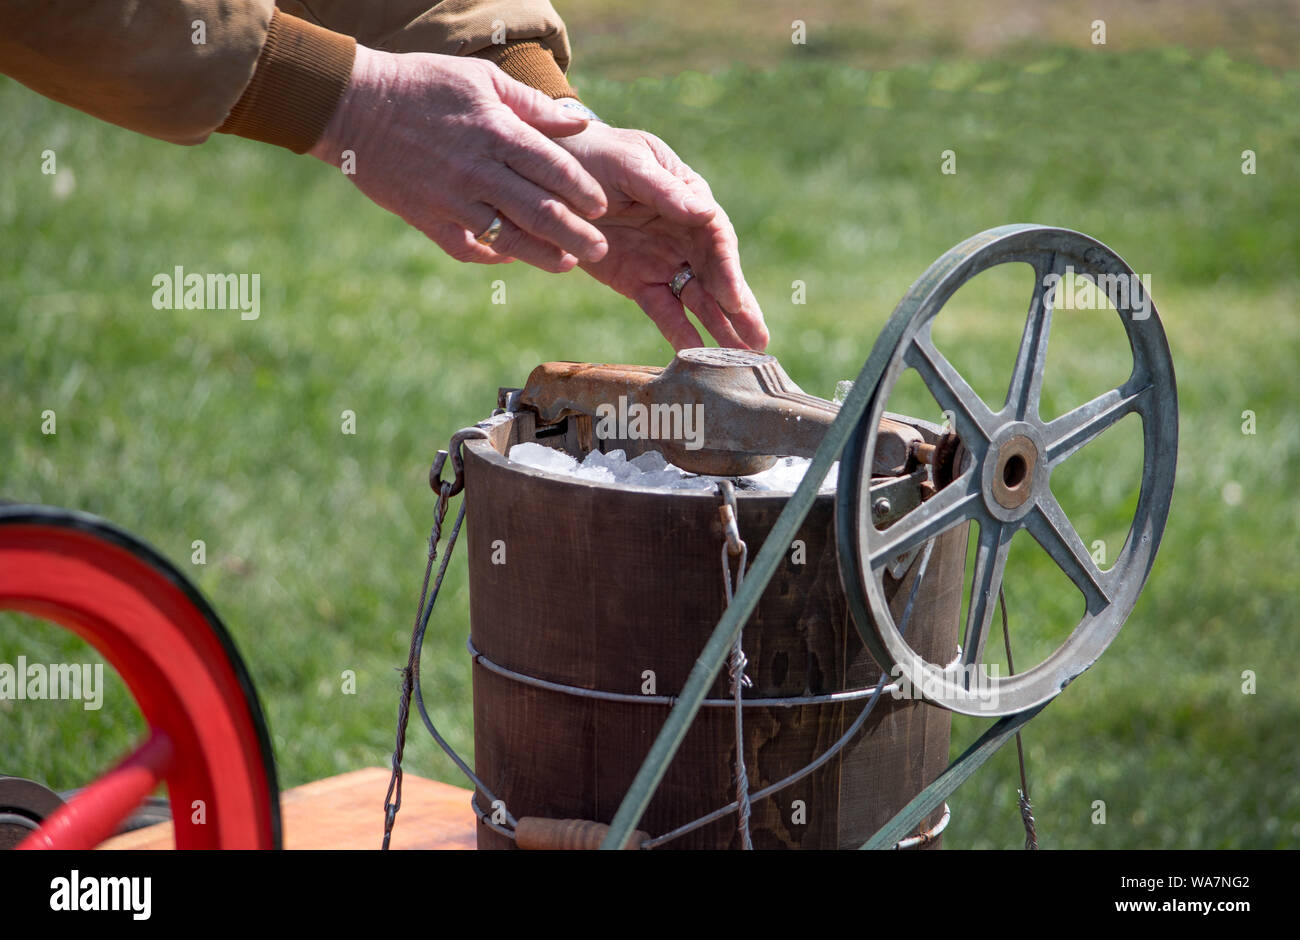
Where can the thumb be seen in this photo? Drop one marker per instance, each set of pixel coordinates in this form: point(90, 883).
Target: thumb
point(534, 108)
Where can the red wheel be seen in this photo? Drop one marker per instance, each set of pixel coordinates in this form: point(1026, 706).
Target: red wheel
point(208, 738)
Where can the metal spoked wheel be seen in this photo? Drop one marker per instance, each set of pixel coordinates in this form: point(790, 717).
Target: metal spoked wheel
point(1005, 483)
point(208, 739)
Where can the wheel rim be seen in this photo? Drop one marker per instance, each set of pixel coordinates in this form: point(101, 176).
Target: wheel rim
point(208, 738)
point(1006, 484)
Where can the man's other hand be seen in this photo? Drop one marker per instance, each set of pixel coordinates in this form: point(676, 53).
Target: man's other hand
point(447, 143)
point(662, 216)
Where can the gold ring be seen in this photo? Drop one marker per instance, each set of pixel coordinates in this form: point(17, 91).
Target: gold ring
point(491, 233)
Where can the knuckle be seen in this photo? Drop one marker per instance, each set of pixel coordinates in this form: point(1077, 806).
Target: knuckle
point(480, 70)
point(510, 241)
point(544, 164)
point(498, 141)
point(640, 165)
point(527, 215)
point(475, 174)
point(652, 141)
point(552, 215)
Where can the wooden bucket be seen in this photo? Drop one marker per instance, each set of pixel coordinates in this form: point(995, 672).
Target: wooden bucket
point(601, 587)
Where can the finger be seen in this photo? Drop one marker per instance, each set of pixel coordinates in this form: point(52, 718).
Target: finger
point(541, 214)
point(514, 242)
point(666, 311)
point(713, 317)
point(460, 244)
point(546, 164)
point(652, 185)
point(717, 262)
point(717, 251)
point(739, 305)
point(536, 109)
point(674, 164)
point(750, 324)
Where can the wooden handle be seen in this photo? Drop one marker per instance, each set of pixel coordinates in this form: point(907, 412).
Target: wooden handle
point(536, 832)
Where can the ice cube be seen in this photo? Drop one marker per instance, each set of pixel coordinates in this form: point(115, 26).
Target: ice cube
point(648, 462)
point(695, 483)
point(611, 461)
point(787, 473)
point(651, 469)
point(665, 477)
point(540, 457)
point(595, 474)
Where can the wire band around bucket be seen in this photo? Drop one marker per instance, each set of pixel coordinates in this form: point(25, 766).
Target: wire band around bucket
point(633, 698)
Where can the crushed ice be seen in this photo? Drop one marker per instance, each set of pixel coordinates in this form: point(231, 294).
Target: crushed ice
point(650, 469)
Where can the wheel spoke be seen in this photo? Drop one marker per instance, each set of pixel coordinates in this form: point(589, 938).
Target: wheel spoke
point(957, 501)
point(1027, 376)
point(97, 812)
point(990, 561)
point(1049, 525)
point(1076, 428)
point(950, 390)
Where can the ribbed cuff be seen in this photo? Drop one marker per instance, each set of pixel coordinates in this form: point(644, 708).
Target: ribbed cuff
point(530, 62)
point(299, 78)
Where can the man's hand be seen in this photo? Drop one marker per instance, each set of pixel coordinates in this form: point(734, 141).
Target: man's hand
point(447, 143)
point(662, 216)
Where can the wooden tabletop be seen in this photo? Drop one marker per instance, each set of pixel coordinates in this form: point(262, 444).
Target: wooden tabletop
point(347, 812)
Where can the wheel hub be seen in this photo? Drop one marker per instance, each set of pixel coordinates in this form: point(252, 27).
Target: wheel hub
point(1013, 471)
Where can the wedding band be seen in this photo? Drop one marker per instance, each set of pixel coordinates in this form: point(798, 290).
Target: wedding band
point(491, 233)
point(680, 280)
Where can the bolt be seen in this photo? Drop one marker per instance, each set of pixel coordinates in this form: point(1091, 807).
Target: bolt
point(880, 508)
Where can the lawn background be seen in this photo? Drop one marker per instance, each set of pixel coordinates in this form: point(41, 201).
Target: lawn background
point(184, 425)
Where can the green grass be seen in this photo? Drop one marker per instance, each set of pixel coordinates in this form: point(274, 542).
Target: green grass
point(614, 39)
point(184, 425)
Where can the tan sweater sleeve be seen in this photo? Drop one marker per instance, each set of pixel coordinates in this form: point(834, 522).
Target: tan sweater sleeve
point(171, 69)
point(300, 76)
point(526, 38)
point(304, 66)
point(180, 69)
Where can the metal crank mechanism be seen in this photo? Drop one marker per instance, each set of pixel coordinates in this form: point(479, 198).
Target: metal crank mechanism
point(1002, 482)
point(751, 410)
